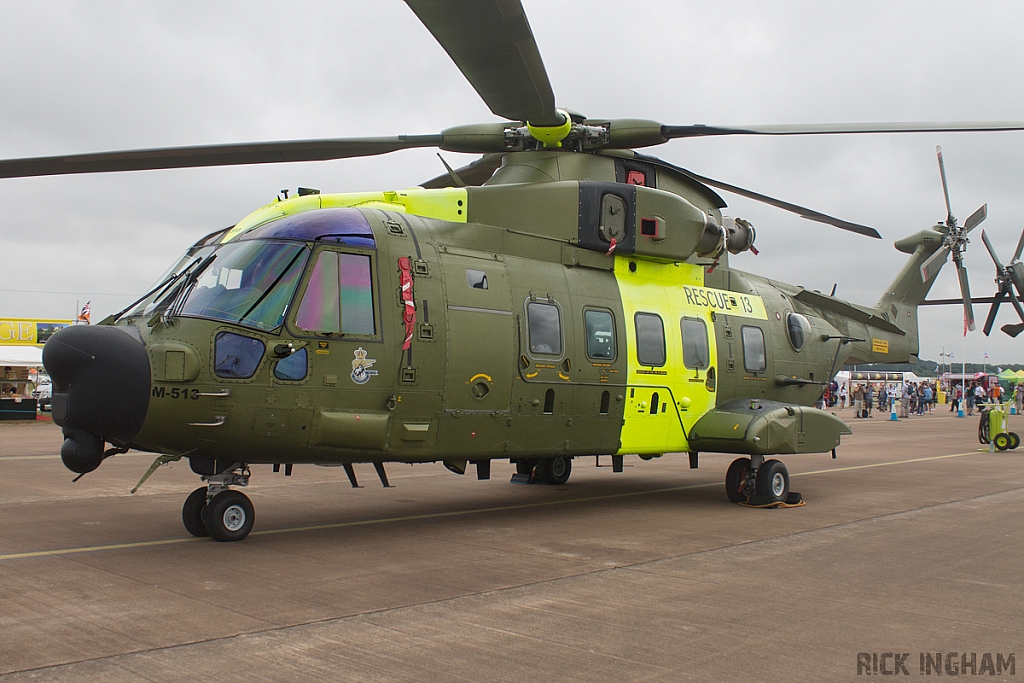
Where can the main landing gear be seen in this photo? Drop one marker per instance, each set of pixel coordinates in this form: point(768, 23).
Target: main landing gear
point(217, 511)
point(552, 471)
point(756, 479)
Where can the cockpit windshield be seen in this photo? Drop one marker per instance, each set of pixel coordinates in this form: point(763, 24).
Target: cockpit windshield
point(249, 283)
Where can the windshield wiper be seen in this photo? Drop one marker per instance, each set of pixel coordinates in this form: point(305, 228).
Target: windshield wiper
point(177, 301)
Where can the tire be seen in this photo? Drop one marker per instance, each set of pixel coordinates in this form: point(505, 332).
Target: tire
point(735, 477)
point(229, 516)
point(554, 471)
point(525, 466)
point(1001, 441)
point(1014, 440)
point(192, 513)
point(773, 480)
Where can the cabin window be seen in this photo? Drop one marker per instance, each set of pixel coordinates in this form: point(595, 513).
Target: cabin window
point(799, 330)
point(754, 358)
point(696, 352)
point(545, 323)
point(476, 279)
point(650, 339)
point(339, 296)
point(600, 334)
point(236, 356)
point(292, 368)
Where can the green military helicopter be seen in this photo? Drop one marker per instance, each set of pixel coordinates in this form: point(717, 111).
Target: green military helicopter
point(563, 295)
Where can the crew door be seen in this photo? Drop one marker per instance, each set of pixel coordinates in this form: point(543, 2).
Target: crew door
point(480, 353)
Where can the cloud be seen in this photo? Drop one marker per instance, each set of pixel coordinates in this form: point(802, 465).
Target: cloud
point(119, 75)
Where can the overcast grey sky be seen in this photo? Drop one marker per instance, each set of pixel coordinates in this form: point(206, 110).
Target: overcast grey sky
point(105, 75)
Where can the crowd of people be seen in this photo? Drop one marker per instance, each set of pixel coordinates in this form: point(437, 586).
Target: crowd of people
point(915, 398)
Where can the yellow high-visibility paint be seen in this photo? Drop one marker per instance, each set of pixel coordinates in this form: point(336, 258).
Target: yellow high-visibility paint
point(663, 402)
point(448, 204)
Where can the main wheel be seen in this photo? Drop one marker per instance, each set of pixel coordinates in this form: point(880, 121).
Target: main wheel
point(1001, 441)
point(192, 513)
point(773, 480)
point(554, 471)
point(229, 516)
point(735, 479)
point(1014, 440)
point(525, 466)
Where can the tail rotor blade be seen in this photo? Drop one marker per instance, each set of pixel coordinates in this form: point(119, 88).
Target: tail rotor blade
point(931, 267)
point(991, 251)
point(1016, 303)
point(993, 309)
point(965, 290)
point(945, 188)
point(977, 217)
point(1020, 248)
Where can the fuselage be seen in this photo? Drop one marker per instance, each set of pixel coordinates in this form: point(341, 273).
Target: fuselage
point(535, 317)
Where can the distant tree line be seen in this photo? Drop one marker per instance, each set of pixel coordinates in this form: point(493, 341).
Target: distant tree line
point(927, 368)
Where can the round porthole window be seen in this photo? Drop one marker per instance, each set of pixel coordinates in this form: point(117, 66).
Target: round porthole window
point(799, 329)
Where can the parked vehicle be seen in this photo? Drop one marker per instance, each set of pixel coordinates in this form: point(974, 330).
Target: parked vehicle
point(44, 396)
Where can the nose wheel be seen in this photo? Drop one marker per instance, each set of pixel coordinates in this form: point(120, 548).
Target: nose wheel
point(217, 511)
point(192, 513)
point(229, 516)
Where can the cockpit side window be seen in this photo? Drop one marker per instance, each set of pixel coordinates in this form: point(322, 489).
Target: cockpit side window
point(339, 296)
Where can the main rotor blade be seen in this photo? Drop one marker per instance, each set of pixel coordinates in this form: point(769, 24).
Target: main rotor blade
point(492, 44)
point(801, 211)
point(1013, 330)
point(701, 130)
point(991, 252)
point(1020, 248)
point(975, 218)
point(993, 309)
point(213, 155)
point(965, 290)
point(934, 262)
point(950, 219)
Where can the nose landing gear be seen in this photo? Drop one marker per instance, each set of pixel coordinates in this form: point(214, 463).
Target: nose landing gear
point(216, 510)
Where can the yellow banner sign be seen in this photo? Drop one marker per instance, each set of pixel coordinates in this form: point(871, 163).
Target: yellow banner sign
point(879, 345)
point(28, 331)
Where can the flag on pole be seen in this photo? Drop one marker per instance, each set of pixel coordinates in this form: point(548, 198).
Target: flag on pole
point(83, 317)
point(965, 323)
point(986, 354)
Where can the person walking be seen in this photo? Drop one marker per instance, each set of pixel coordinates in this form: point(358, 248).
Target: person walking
point(928, 398)
point(905, 400)
point(843, 396)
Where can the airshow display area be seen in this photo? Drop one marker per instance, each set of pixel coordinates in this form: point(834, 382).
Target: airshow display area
point(21, 364)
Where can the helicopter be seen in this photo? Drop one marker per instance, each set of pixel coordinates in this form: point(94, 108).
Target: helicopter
point(563, 295)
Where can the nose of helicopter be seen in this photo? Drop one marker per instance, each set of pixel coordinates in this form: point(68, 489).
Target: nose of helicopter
point(101, 381)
